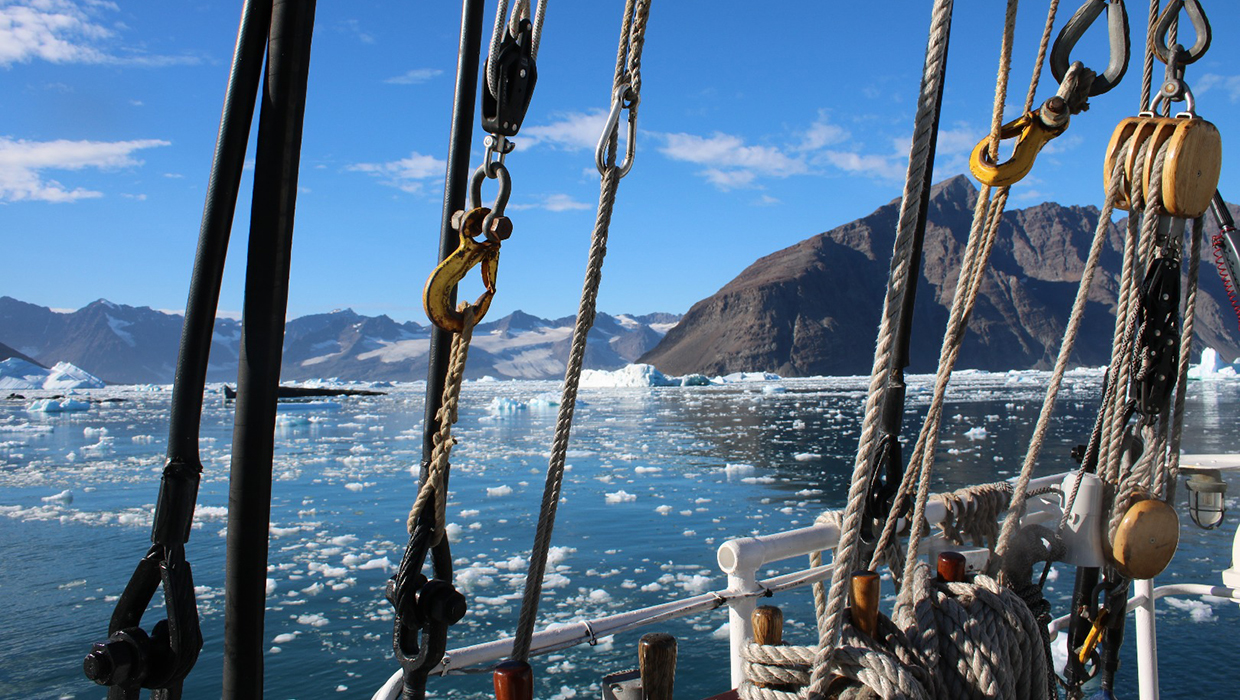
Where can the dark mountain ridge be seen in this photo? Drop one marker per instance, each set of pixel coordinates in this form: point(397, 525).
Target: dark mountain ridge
point(813, 308)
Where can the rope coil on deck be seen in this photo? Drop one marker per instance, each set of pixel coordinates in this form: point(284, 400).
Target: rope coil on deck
point(958, 640)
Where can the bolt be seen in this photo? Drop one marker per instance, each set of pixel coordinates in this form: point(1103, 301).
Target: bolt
point(457, 218)
point(98, 665)
point(501, 228)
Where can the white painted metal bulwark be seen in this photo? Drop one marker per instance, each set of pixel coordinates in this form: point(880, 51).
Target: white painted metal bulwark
point(1147, 640)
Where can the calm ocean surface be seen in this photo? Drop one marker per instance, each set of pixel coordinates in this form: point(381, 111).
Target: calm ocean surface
point(649, 498)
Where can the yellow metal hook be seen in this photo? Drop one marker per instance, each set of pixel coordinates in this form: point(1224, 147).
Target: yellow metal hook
point(437, 294)
point(1031, 134)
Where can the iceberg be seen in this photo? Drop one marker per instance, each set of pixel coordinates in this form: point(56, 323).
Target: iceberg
point(65, 376)
point(627, 377)
point(1211, 367)
point(20, 374)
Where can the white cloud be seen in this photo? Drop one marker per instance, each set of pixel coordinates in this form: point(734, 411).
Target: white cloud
point(22, 163)
point(573, 131)
point(62, 31)
point(733, 164)
point(1228, 83)
point(884, 167)
point(353, 28)
point(408, 174)
point(417, 76)
point(555, 202)
point(821, 133)
point(729, 179)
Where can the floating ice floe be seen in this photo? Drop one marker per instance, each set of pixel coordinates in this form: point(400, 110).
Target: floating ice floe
point(732, 470)
point(978, 433)
point(307, 406)
point(57, 406)
point(737, 377)
point(620, 496)
point(504, 406)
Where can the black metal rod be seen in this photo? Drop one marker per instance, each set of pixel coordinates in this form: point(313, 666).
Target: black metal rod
point(179, 486)
point(456, 183)
point(262, 334)
point(893, 407)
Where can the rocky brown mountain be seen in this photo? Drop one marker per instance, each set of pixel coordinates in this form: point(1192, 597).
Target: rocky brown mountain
point(813, 308)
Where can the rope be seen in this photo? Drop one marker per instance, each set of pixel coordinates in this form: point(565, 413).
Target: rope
point(1147, 68)
point(924, 127)
point(1016, 509)
point(960, 640)
point(442, 442)
point(632, 39)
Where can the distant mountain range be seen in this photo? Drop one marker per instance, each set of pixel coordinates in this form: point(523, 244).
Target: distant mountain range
point(137, 345)
point(809, 309)
point(813, 308)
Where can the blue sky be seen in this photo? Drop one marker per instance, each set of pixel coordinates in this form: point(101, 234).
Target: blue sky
point(758, 128)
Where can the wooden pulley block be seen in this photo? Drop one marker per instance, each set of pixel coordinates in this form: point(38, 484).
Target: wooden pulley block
point(1191, 173)
point(1146, 539)
point(1134, 129)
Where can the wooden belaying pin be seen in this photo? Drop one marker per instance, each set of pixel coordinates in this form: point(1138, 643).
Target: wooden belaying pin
point(865, 590)
point(514, 680)
point(768, 625)
point(656, 658)
point(768, 630)
point(952, 567)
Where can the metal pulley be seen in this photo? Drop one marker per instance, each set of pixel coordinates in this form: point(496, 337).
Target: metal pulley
point(516, 73)
point(1190, 173)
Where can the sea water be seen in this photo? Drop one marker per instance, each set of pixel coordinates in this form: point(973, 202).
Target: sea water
point(657, 479)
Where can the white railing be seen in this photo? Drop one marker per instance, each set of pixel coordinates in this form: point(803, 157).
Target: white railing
point(742, 558)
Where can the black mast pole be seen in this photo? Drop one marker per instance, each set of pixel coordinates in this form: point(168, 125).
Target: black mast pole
point(184, 465)
point(456, 183)
point(266, 301)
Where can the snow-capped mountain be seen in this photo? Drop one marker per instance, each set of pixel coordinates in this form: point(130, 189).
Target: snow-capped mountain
point(127, 344)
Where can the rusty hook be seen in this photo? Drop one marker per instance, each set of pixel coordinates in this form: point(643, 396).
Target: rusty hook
point(437, 294)
point(1031, 133)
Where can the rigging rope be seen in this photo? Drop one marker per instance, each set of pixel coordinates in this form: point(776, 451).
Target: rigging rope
point(628, 72)
point(924, 126)
point(987, 217)
point(436, 483)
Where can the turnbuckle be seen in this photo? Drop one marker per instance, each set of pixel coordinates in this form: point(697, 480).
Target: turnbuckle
point(494, 227)
point(1117, 32)
point(130, 658)
point(1032, 131)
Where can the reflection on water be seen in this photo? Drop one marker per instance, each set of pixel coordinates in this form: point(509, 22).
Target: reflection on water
point(658, 479)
